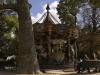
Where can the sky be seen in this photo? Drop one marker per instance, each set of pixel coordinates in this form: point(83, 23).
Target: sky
point(39, 8)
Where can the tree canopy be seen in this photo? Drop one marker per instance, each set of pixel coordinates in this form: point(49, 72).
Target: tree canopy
point(8, 25)
point(68, 9)
point(87, 13)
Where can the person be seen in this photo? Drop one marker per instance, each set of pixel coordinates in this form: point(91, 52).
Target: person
point(93, 57)
point(77, 64)
point(84, 58)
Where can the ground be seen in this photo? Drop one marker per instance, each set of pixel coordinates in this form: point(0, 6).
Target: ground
point(51, 72)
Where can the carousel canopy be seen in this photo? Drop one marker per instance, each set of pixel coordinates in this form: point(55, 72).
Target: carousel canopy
point(47, 18)
point(48, 25)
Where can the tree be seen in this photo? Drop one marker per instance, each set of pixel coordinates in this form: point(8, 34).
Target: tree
point(68, 9)
point(90, 15)
point(93, 20)
point(27, 58)
point(7, 28)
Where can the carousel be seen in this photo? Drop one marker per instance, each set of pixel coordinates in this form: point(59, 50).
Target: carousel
point(54, 41)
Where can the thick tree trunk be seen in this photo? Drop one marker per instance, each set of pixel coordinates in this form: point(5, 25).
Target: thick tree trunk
point(27, 57)
point(27, 54)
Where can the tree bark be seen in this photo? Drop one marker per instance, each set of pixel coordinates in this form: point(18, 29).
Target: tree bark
point(27, 57)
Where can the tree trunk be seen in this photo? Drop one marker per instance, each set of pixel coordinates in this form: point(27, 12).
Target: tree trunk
point(91, 44)
point(27, 54)
point(27, 57)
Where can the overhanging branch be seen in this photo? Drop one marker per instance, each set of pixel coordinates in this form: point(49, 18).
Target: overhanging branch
point(8, 6)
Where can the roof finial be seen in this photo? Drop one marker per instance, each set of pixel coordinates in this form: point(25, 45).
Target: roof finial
point(47, 8)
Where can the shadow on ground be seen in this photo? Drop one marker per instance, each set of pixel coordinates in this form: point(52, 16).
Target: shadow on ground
point(50, 72)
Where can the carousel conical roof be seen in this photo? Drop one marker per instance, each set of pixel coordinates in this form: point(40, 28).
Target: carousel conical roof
point(47, 18)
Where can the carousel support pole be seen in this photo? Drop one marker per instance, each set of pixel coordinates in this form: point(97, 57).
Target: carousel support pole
point(75, 50)
point(69, 48)
point(49, 45)
point(75, 41)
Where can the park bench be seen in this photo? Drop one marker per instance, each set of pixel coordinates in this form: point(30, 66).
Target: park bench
point(4, 63)
point(88, 64)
